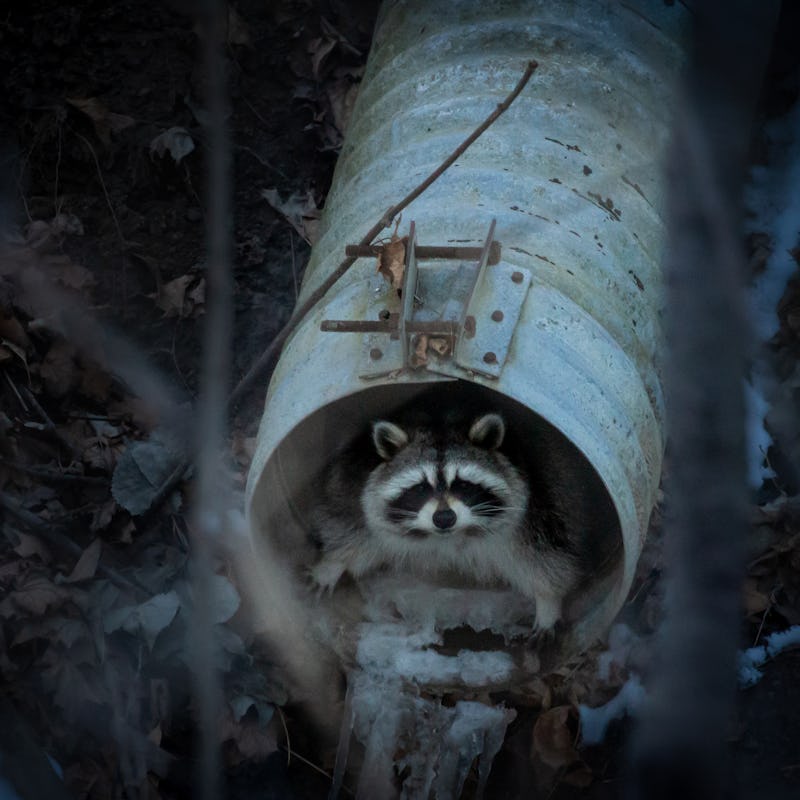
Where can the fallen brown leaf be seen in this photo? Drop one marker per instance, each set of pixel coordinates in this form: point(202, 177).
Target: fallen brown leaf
point(66, 225)
point(392, 261)
point(251, 740)
point(342, 93)
point(65, 630)
point(44, 237)
point(439, 345)
point(72, 275)
point(236, 31)
point(243, 448)
point(105, 122)
point(35, 597)
point(8, 351)
point(300, 210)
point(319, 49)
point(95, 382)
point(553, 739)
point(87, 563)
point(420, 357)
point(755, 601)
point(58, 370)
point(176, 141)
point(11, 330)
point(102, 515)
point(579, 775)
point(171, 296)
point(197, 299)
point(32, 546)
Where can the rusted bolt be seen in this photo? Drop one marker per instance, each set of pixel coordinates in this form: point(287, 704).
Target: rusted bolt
point(497, 315)
point(376, 354)
point(490, 358)
point(517, 277)
point(384, 314)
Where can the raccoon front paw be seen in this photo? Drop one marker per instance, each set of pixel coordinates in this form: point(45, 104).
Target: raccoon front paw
point(324, 576)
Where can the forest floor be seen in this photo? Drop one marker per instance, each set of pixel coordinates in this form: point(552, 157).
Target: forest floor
point(103, 145)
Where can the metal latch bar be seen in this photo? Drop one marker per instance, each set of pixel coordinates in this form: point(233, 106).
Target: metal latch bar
point(408, 290)
point(427, 252)
point(468, 330)
point(429, 328)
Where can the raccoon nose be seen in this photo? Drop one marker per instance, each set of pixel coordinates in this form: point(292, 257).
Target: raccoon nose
point(444, 518)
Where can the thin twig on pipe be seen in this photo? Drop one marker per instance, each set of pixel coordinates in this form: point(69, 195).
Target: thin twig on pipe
point(266, 358)
point(276, 345)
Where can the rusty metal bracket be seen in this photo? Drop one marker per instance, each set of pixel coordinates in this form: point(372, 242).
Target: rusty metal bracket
point(438, 319)
point(408, 292)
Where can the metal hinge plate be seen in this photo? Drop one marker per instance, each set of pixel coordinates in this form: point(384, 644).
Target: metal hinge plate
point(493, 313)
point(453, 316)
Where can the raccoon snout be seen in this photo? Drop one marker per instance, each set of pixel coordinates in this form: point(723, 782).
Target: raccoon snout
point(444, 518)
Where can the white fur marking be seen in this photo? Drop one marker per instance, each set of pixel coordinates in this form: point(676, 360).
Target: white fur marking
point(489, 480)
point(397, 484)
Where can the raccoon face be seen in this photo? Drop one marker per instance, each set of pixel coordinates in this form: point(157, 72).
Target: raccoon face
point(443, 486)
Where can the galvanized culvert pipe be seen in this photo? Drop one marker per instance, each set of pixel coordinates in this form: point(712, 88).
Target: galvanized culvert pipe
point(560, 329)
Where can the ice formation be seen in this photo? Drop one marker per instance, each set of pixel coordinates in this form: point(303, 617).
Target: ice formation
point(394, 704)
point(595, 721)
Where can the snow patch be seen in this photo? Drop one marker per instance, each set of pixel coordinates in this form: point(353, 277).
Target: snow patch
point(758, 438)
point(621, 639)
point(753, 658)
point(595, 721)
point(773, 199)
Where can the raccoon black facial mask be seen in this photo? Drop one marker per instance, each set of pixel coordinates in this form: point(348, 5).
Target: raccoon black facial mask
point(439, 501)
point(443, 486)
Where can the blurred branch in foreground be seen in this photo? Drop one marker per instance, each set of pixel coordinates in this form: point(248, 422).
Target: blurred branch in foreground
point(678, 750)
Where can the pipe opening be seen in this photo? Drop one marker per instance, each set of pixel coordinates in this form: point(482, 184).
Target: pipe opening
point(560, 477)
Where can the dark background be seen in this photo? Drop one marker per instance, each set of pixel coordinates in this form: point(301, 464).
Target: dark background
point(120, 229)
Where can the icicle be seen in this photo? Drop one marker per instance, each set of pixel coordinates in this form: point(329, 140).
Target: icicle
point(394, 698)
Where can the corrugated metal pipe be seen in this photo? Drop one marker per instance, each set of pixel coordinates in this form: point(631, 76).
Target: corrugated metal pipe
point(552, 313)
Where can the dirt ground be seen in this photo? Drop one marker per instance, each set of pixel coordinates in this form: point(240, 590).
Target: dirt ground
point(103, 146)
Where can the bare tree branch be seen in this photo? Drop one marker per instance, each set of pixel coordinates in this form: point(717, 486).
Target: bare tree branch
point(264, 361)
point(678, 751)
point(208, 518)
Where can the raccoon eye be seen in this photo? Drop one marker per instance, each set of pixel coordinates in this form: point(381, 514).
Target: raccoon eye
point(481, 500)
point(410, 501)
point(418, 490)
point(462, 487)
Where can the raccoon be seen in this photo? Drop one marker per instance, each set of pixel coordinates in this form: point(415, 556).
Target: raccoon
point(440, 502)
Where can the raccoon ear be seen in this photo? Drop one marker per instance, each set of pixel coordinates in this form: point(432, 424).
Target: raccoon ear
point(389, 438)
point(488, 431)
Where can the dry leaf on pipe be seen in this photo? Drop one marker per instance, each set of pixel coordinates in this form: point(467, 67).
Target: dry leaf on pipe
point(392, 261)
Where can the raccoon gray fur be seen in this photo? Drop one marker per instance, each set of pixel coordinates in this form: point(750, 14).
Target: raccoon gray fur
point(437, 501)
